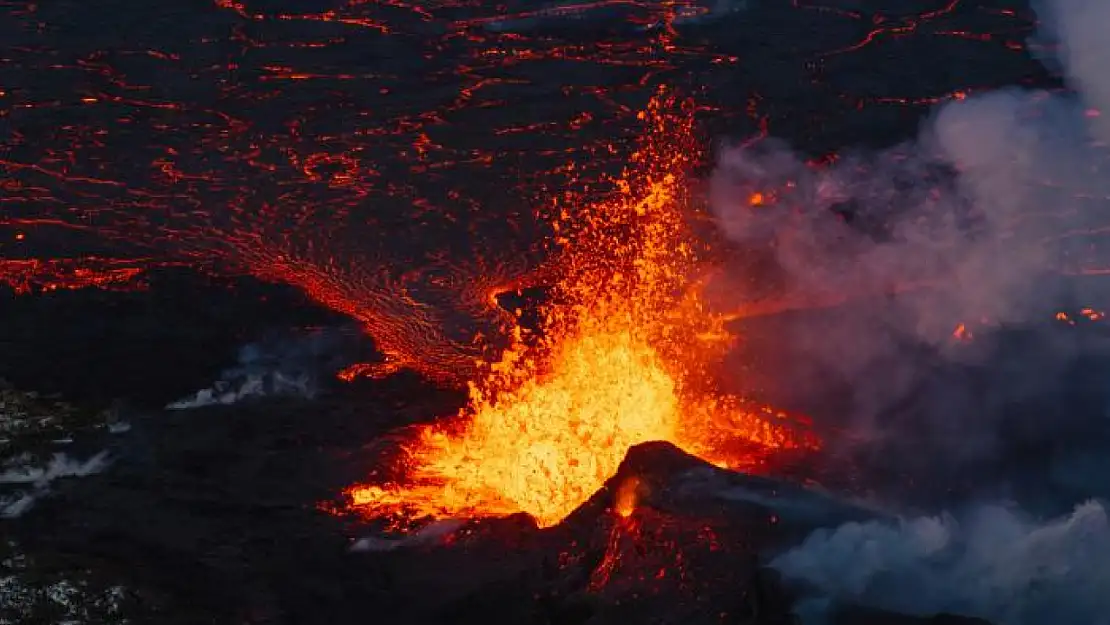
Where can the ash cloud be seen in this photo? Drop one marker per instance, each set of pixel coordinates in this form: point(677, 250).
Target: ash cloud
point(995, 218)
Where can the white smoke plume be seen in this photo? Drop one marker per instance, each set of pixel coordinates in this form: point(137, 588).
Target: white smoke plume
point(34, 481)
point(992, 564)
point(280, 367)
point(239, 385)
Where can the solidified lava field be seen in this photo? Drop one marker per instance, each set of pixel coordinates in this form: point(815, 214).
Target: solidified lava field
point(562, 313)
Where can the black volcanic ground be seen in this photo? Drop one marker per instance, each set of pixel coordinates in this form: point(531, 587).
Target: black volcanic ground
point(210, 516)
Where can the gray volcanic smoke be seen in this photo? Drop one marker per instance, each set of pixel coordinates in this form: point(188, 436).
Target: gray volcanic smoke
point(995, 216)
point(993, 563)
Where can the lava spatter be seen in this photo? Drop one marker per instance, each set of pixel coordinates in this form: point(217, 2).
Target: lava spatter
point(620, 363)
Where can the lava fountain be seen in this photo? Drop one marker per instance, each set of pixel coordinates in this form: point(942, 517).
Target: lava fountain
point(623, 359)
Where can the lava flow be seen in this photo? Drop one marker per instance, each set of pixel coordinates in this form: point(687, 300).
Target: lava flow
point(623, 359)
point(261, 141)
point(33, 274)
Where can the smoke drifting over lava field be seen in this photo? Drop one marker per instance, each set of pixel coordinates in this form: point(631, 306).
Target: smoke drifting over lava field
point(576, 312)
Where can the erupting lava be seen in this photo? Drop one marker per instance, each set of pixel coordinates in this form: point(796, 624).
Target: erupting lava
point(622, 360)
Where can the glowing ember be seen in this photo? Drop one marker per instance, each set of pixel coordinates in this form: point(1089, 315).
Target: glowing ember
point(623, 361)
point(1090, 314)
point(962, 333)
point(625, 502)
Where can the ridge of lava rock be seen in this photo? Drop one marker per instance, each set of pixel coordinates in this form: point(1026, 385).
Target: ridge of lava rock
point(672, 482)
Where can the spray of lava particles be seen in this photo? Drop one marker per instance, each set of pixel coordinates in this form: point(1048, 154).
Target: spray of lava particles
point(623, 359)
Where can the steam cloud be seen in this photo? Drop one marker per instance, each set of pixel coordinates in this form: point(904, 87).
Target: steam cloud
point(36, 480)
point(994, 564)
point(993, 213)
point(280, 367)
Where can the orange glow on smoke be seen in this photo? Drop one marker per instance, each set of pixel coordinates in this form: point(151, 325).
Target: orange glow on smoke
point(623, 360)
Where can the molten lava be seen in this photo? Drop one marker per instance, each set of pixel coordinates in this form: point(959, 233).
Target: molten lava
point(624, 504)
point(623, 360)
point(33, 274)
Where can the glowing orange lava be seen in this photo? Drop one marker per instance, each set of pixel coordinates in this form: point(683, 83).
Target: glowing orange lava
point(28, 275)
point(623, 360)
point(624, 504)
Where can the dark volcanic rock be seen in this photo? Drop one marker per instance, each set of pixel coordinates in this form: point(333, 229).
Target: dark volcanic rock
point(214, 516)
point(149, 346)
point(658, 564)
point(213, 513)
point(852, 615)
point(689, 551)
point(771, 513)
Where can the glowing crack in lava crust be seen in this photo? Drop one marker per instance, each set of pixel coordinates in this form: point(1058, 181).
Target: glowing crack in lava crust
point(623, 359)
